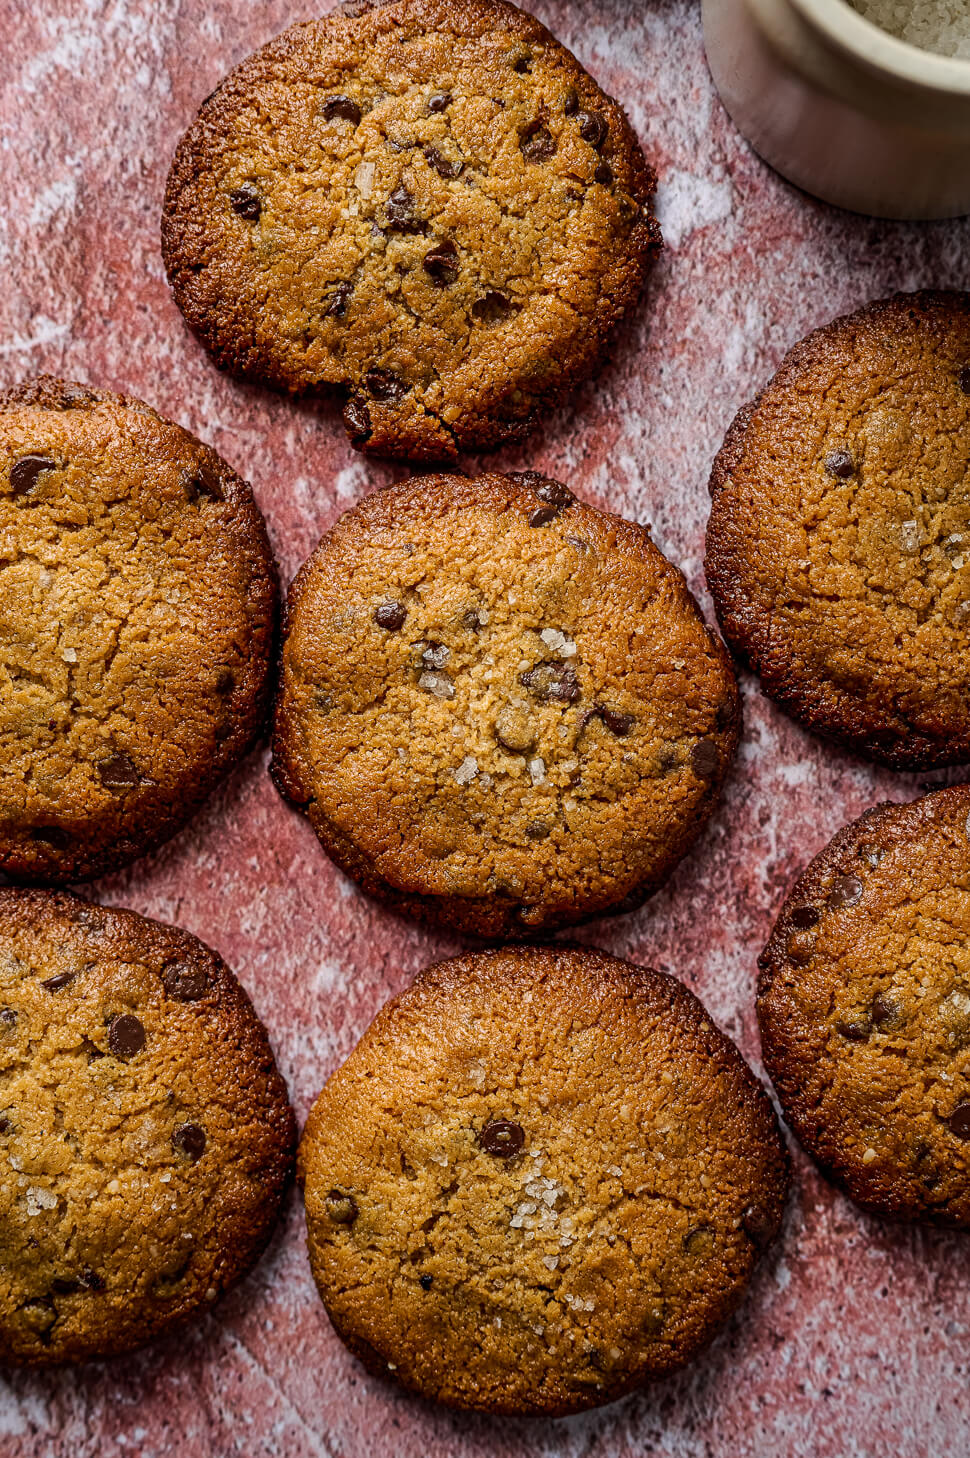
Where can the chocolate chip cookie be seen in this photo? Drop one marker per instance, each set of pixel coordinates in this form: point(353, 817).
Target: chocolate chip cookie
point(839, 539)
point(541, 1177)
point(864, 1003)
point(137, 606)
point(145, 1134)
point(500, 708)
point(427, 206)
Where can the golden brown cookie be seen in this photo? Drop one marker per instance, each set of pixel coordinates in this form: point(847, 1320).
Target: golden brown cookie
point(541, 1177)
point(428, 206)
point(839, 540)
point(500, 708)
point(137, 605)
point(864, 1004)
point(145, 1134)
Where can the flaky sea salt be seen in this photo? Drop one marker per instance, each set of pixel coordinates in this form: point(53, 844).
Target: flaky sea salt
point(933, 25)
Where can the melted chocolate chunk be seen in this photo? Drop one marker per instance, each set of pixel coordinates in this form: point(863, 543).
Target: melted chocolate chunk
point(183, 982)
point(24, 473)
point(118, 773)
point(593, 128)
point(491, 308)
point(570, 104)
point(805, 917)
point(425, 1282)
point(755, 1224)
point(189, 1139)
point(840, 464)
point(391, 615)
point(959, 1121)
point(536, 142)
point(343, 108)
point(857, 1030)
point(443, 165)
point(341, 1208)
point(617, 723)
point(90, 1280)
point(704, 759)
point(385, 384)
point(846, 891)
point(246, 202)
point(442, 263)
point(556, 682)
point(883, 1012)
point(603, 174)
point(439, 102)
point(203, 484)
point(400, 214)
point(337, 303)
point(126, 1036)
point(225, 681)
point(502, 1138)
point(357, 419)
point(54, 984)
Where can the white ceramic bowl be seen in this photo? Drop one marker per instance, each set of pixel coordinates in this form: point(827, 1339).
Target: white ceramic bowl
point(843, 109)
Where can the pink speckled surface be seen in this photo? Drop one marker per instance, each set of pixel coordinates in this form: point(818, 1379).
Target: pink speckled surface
point(854, 1339)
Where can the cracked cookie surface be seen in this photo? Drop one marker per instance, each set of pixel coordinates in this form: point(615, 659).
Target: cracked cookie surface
point(500, 708)
point(430, 207)
point(137, 607)
point(838, 549)
point(540, 1178)
point(146, 1137)
point(864, 1005)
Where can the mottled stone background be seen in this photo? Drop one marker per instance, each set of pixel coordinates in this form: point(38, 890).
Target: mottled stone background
point(854, 1339)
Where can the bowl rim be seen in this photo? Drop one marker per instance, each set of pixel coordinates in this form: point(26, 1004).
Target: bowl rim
point(868, 42)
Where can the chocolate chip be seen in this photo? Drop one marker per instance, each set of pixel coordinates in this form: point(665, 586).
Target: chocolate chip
point(63, 1287)
point(846, 891)
point(502, 1138)
point(337, 303)
point(537, 830)
point(8, 1018)
point(400, 214)
point(491, 308)
point(183, 982)
point(341, 1208)
point(840, 464)
point(425, 1282)
point(344, 108)
point(55, 983)
point(617, 723)
point(126, 1036)
point(571, 103)
point(756, 1225)
point(593, 128)
point(5, 1124)
point(959, 1121)
point(536, 142)
point(246, 202)
point(442, 263)
point(117, 772)
point(189, 1139)
point(357, 419)
point(522, 65)
point(51, 835)
point(704, 759)
point(391, 615)
point(857, 1031)
point(805, 916)
point(24, 473)
point(443, 165)
point(439, 102)
point(552, 681)
point(90, 1280)
point(883, 1011)
point(203, 484)
point(554, 492)
point(384, 384)
point(603, 174)
point(543, 515)
point(964, 379)
point(225, 681)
